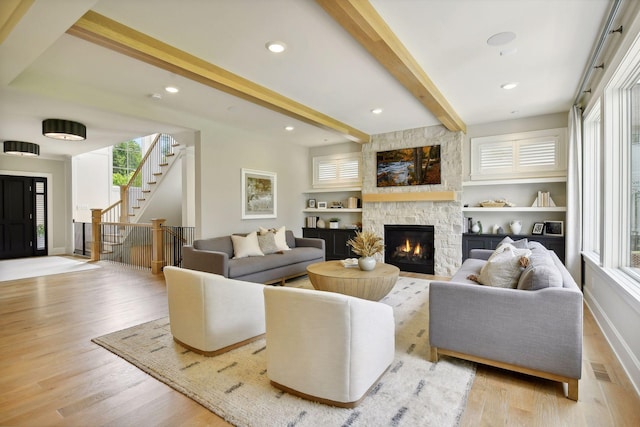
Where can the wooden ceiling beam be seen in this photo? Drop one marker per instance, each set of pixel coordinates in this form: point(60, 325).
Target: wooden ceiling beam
point(11, 12)
point(106, 32)
point(365, 25)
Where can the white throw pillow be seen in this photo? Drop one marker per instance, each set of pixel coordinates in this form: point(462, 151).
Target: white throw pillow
point(503, 268)
point(281, 239)
point(245, 246)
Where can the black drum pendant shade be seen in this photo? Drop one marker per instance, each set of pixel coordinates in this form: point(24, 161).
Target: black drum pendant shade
point(21, 148)
point(64, 129)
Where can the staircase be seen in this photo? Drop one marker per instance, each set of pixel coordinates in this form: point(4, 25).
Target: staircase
point(152, 169)
point(135, 197)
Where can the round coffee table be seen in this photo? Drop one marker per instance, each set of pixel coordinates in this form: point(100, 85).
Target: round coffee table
point(373, 285)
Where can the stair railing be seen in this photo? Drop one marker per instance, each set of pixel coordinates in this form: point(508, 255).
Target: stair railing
point(147, 173)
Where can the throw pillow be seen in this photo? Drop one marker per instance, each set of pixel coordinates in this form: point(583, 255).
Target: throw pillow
point(267, 243)
point(520, 244)
point(280, 236)
point(504, 267)
point(541, 272)
point(245, 246)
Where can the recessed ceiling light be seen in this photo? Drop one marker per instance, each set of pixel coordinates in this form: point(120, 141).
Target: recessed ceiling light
point(377, 111)
point(276, 47)
point(515, 112)
point(289, 128)
point(172, 89)
point(500, 39)
point(509, 86)
point(155, 96)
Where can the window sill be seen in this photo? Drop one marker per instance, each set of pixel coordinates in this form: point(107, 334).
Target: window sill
point(628, 286)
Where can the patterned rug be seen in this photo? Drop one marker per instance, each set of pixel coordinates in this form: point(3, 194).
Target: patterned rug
point(235, 385)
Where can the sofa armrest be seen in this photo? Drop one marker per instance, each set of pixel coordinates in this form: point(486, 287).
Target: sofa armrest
point(207, 261)
point(480, 253)
point(311, 242)
point(540, 329)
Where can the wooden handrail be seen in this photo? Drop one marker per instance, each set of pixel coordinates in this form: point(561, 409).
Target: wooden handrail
point(105, 210)
point(173, 233)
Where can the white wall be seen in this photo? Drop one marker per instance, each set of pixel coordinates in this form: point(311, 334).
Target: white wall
point(218, 178)
point(91, 178)
point(58, 172)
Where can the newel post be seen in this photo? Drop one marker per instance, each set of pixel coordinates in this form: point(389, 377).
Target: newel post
point(124, 203)
point(157, 252)
point(96, 234)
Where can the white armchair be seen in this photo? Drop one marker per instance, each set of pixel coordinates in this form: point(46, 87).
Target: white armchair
point(327, 347)
point(211, 314)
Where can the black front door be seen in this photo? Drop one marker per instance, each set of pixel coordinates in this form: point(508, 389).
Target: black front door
point(22, 216)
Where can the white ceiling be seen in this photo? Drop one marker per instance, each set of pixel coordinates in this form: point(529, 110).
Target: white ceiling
point(45, 73)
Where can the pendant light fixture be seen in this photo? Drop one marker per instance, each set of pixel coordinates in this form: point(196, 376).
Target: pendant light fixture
point(64, 129)
point(21, 148)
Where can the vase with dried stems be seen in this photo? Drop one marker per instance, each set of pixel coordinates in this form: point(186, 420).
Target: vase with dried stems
point(366, 244)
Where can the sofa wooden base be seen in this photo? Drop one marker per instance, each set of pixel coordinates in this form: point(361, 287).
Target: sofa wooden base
point(572, 383)
point(281, 281)
point(220, 350)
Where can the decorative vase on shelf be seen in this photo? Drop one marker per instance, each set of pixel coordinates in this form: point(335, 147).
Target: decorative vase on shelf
point(516, 227)
point(367, 263)
point(320, 223)
point(475, 228)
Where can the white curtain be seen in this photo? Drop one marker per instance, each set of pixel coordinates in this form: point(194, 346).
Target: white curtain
point(574, 196)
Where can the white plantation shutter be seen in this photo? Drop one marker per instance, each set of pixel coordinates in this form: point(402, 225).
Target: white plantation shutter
point(525, 155)
point(337, 170)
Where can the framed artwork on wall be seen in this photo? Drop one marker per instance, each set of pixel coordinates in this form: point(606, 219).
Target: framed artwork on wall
point(408, 166)
point(259, 194)
point(538, 228)
point(554, 228)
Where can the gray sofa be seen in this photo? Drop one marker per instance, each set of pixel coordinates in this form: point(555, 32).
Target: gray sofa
point(536, 332)
point(215, 255)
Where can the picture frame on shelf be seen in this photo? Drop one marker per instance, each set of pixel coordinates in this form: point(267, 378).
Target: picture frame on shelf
point(538, 228)
point(311, 203)
point(259, 194)
point(322, 205)
point(554, 228)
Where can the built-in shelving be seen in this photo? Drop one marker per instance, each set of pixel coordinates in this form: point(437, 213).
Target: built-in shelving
point(516, 181)
point(333, 190)
point(516, 209)
point(332, 210)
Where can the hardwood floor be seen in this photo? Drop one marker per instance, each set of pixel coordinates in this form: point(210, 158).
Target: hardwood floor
point(52, 374)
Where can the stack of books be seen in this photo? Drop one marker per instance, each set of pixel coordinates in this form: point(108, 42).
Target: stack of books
point(312, 221)
point(543, 200)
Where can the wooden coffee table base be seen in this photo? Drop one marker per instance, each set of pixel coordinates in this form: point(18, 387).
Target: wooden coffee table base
point(373, 285)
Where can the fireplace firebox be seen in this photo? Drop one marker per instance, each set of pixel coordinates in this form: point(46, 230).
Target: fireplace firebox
point(410, 247)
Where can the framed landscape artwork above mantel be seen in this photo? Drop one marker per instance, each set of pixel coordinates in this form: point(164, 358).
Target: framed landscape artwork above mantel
point(259, 194)
point(408, 166)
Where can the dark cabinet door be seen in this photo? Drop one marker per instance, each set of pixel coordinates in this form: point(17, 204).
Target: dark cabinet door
point(491, 241)
point(335, 241)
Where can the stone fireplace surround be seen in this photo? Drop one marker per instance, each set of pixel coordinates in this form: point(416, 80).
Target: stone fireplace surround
point(445, 216)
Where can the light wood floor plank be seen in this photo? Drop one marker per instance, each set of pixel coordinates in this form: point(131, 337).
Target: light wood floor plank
point(52, 374)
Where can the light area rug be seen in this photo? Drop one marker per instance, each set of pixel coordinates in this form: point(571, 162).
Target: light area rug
point(22, 268)
point(235, 385)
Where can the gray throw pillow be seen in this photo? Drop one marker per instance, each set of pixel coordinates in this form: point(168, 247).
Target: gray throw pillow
point(519, 244)
point(541, 272)
point(267, 243)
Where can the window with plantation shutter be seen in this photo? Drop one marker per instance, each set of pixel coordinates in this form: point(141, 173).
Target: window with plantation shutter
point(341, 170)
point(525, 155)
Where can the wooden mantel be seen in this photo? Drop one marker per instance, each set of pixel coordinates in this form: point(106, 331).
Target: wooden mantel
point(422, 196)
